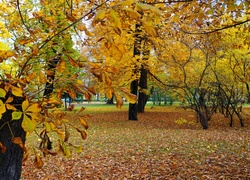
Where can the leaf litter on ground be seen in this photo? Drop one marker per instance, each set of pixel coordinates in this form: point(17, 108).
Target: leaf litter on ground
point(165, 143)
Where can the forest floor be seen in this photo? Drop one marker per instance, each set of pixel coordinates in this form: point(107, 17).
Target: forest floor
point(165, 143)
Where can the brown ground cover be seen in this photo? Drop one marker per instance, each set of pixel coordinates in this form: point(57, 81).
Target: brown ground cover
point(166, 143)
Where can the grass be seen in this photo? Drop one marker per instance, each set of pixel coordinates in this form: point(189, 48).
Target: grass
point(155, 147)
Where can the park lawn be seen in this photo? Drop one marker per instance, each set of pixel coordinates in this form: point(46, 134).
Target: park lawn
point(165, 143)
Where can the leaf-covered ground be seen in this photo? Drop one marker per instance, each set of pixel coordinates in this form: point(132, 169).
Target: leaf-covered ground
point(166, 143)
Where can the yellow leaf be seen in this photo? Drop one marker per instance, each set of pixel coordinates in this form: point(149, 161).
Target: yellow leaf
point(72, 61)
point(83, 122)
point(47, 126)
point(25, 105)
point(132, 13)
point(175, 18)
point(28, 124)
point(109, 93)
point(151, 30)
point(115, 19)
point(2, 93)
point(35, 107)
point(125, 3)
point(17, 91)
point(38, 161)
point(2, 108)
point(129, 96)
point(42, 78)
point(100, 15)
point(61, 65)
point(141, 6)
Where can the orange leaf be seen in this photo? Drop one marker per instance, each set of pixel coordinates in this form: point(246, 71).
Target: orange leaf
point(2, 148)
point(81, 27)
point(38, 161)
point(18, 140)
point(31, 76)
point(72, 93)
point(87, 96)
point(72, 61)
point(25, 155)
point(83, 122)
point(119, 101)
point(67, 134)
point(92, 91)
point(83, 133)
point(108, 80)
point(46, 151)
point(35, 50)
point(70, 16)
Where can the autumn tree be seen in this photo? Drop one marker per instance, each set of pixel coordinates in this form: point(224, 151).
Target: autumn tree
point(42, 56)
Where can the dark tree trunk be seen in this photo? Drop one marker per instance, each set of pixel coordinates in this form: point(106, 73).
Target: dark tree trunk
point(11, 159)
point(134, 84)
point(143, 97)
point(110, 101)
point(133, 107)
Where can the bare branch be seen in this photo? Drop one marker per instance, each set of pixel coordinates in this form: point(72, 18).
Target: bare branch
point(21, 16)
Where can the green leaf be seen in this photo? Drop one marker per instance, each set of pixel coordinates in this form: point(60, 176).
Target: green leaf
point(16, 115)
point(64, 149)
point(2, 93)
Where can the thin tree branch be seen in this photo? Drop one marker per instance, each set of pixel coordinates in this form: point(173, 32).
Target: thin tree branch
point(160, 81)
point(21, 16)
point(218, 29)
point(168, 2)
point(59, 32)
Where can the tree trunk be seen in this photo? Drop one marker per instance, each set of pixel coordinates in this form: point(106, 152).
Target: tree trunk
point(110, 101)
point(134, 84)
point(133, 107)
point(143, 97)
point(11, 159)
